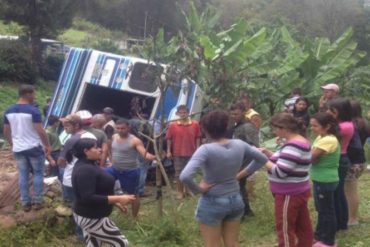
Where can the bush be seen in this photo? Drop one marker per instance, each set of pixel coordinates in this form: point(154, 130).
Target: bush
point(16, 63)
point(51, 67)
point(107, 45)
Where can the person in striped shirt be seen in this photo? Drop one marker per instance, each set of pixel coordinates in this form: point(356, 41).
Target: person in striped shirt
point(289, 182)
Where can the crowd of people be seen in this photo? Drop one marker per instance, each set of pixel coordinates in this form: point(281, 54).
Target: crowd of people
point(101, 154)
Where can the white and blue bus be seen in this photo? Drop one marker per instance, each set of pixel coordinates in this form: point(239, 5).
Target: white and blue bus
point(91, 80)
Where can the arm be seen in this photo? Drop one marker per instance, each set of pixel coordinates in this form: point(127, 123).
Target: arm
point(104, 154)
point(43, 136)
point(61, 162)
point(8, 134)
point(316, 153)
point(141, 149)
point(169, 146)
point(258, 159)
point(169, 141)
point(243, 173)
point(257, 121)
point(287, 161)
point(188, 174)
point(198, 142)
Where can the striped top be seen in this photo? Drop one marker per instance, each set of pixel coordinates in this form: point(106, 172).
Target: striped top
point(290, 173)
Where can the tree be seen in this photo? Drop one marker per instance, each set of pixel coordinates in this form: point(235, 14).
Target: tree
point(39, 19)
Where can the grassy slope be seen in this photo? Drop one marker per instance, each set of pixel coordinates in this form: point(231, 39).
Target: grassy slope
point(257, 231)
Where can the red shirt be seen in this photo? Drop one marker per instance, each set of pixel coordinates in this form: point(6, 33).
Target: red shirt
point(184, 138)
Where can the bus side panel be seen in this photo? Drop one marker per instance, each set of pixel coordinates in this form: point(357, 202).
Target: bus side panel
point(69, 81)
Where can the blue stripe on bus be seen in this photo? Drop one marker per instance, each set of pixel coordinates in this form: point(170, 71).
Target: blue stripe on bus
point(115, 71)
point(69, 81)
point(118, 73)
point(64, 89)
point(78, 78)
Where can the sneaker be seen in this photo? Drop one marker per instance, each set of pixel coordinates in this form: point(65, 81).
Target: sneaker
point(37, 206)
point(26, 208)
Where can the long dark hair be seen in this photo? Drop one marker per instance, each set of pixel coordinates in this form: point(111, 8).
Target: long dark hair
point(287, 121)
point(81, 145)
point(343, 107)
point(298, 100)
point(325, 120)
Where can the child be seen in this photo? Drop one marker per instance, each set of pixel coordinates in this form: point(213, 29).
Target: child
point(324, 174)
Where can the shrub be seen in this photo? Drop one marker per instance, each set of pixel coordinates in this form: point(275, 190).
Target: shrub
point(107, 45)
point(51, 67)
point(16, 63)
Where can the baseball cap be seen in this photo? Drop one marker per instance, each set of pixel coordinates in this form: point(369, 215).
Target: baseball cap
point(331, 86)
point(71, 118)
point(108, 110)
point(85, 115)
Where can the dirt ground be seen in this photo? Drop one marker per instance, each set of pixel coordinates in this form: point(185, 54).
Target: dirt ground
point(7, 168)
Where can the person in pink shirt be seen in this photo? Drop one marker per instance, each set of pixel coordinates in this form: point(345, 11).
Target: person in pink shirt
point(340, 109)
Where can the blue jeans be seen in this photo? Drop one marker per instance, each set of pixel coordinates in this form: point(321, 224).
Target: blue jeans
point(340, 200)
point(326, 226)
point(31, 161)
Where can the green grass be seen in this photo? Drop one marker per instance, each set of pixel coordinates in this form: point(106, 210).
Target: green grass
point(73, 37)
point(179, 228)
point(11, 28)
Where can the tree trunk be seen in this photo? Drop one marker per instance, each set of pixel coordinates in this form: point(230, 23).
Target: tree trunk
point(36, 51)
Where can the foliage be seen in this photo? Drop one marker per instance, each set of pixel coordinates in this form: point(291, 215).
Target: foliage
point(15, 62)
point(107, 45)
point(148, 231)
point(87, 34)
point(256, 60)
point(10, 28)
point(52, 66)
point(9, 95)
point(40, 19)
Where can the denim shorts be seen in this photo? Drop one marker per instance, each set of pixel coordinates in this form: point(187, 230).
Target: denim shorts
point(213, 211)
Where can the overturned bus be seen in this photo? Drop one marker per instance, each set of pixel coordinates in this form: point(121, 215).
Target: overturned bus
point(92, 80)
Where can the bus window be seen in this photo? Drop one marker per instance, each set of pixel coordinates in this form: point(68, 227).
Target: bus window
point(143, 77)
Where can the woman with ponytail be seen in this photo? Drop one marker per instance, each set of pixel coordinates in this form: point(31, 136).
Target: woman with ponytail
point(324, 175)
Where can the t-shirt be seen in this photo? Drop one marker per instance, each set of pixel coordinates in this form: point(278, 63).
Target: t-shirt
point(251, 113)
point(184, 138)
point(21, 118)
point(66, 154)
point(53, 139)
point(346, 132)
point(219, 164)
point(99, 134)
point(289, 103)
point(325, 169)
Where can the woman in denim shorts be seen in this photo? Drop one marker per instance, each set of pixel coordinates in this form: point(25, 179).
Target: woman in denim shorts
point(220, 206)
